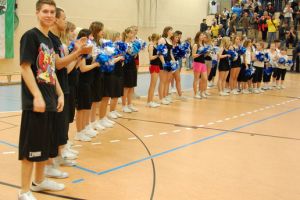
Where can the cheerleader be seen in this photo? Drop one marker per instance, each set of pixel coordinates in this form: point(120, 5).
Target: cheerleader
point(224, 66)
point(235, 67)
point(277, 47)
point(176, 75)
point(212, 74)
point(166, 71)
point(199, 66)
point(243, 78)
point(154, 68)
point(270, 66)
point(281, 68)
point(129, 74)
point(258, 58)
point(111, 89)
point(84, 94)
point(118, 75)
point(208, 59)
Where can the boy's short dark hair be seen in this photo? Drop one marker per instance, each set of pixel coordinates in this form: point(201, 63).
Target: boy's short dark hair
point(84, 33)
point(203, 20)
point(178, 32)
point(40, 3)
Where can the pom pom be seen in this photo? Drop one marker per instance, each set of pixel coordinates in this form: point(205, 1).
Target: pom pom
point(289, 64)
point(281, 61)
point(233, 55)
point(267, 57)
point(142, 43)
point(106, 43)
point(171, 66)
point(215, 50)
point(162, 50)
point(71, 46)
point(242, 50)
point(120, 47)
point(268, 71)
point(260, 56)
point(249, 72)
point(214, 62)
point(203, 50)
point(105, 61)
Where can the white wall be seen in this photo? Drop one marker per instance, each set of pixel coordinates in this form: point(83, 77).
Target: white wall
point(115, 14)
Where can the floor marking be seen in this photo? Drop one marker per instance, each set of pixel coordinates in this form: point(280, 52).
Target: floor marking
point(200, 126)
point(163, 133)
point(188, 129)
point(96, 143)
point(147, 136)
point(8, 152)
point(210, 123)
point(78, 180)
point(78, 145)
point(132, 138)
point(228, 118)
point(219, 121)
point(242, 115)
point(176, 131)
point(114, 141)
point(234, 117)
point(249, 113)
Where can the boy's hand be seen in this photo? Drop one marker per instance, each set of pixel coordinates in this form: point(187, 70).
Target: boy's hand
point(39, 104)
point(60, 103)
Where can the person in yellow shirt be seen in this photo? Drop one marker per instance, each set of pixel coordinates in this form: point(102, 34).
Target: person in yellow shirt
point(272, 29)
point(215, 30)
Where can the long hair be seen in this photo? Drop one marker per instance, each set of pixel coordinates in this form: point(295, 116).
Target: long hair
point(166, 30)
point(196, 39)
point(126, 31)
point(225, 42)
point(65, 35)
point(95, 28)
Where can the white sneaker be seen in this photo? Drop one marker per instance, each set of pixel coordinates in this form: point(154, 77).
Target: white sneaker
point(278, 87)
point(126, 109)
point(251, 90)
point(235, 92)
point(245, 92)
point(261, 90)
point(204, 95)
point(90, 132)
point(173, 90)
point(66, 154)
point(112, 115)
point(105, 123)
point(197, 96)
point(164, 101)
point(223, 94)
point(207, 93)
point(117, 113)
point(270, 88)
point(81, 136)
point(52, 172)
point(169, 98)
point(47, 185)
point(226, 90)
point(152, 105)
point(109, 121)
point(157, 104)
point(132, 108)
point(119, 101)
point(26, 196)
point(210, 84)
point(59, 161)
point(182, 98)
point(282, 87)
point(97, 126)
point(69, 148)
point(256, 91)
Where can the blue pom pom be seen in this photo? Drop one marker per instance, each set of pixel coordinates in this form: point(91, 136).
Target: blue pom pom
point(267, 57)
point(171, 66)
point(179, 52)
point(120, 47)
point(233, 55)
point(106, 43)
point(249, 72)
point(242, 50)
point(289, 63)
point(162, 50)
point(268, 71)
point(281, 60)
point(260, 56)
point(203, 50)
point(71, 46)
point(105, 61)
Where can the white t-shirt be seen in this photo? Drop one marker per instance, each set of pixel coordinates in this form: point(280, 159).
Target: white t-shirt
point(273, 61)
point(282, 66)
point(258, 63)
point(288, 13)
point(248, 57)
point(213, 9)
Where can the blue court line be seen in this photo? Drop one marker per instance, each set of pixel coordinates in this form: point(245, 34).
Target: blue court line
point(188, 144)
point(78, 180)
point(8, 144)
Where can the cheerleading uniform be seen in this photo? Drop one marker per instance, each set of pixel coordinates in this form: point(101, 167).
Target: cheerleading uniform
point(236, 63)
point(130, 72)
point(73, 78)
point(156, 63)
point(224, 62)
point(168, 57)
point(259, 66)
point(84, 89)
point(281, 69)
point(267, 71)
point(199, 64)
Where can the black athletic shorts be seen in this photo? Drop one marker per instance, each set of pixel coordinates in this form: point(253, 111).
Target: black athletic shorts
point(62, 123)
point(37, 140)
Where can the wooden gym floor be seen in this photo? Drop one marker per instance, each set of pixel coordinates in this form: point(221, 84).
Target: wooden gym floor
point(243, 147)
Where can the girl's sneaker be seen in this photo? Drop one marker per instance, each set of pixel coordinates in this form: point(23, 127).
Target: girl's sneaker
point(132, 108)
point(164, 101)
point(126, 109)
point(112, 115)
point(117, 113)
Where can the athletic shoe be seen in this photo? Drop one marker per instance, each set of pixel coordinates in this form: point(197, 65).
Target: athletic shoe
point(256, 91)
point(235, 92)
point(224, 94)
point(26, 196)
point(182, 98)
point(119, 101)
point(105, 123)
point(69, 148)
point(173, 90)
point(153, 104)
point(132, 108)
point(210, 84)
point(89, 131)
point(97, 126)
point(226, 90)
point(59, 161)
point(282, 87)
point(207, 93)
point(197, 96)
point(66, 154)
point(112, 115)
point(245, 91)
point(47, 185)
point(81, 136)
point(164, 101)
point(169, 98)
point(270, 88)
point(117, 113)
point(278, 87)
point(126, 109)
point(204, 95)
point(109, 121)
point(52, 172)
point(260, 90)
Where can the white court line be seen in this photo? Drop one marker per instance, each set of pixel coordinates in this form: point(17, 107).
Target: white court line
point(176, 131)
point(132, 138)
point(228, 118)
point(261, 109)
point(234, 117)
point(163, 133)
point(188, 129)
point(278, 104)
point(96, 143)
point(210, 123)
point(8, 152)
point(242, 115)
point(147, 136)
point(200, 126)
point(114, 141)
point(219, 121)
point(249, 113)
point(78, 145)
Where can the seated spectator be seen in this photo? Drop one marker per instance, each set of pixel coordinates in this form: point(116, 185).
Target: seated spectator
point(282, 34)
point(291, 37)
